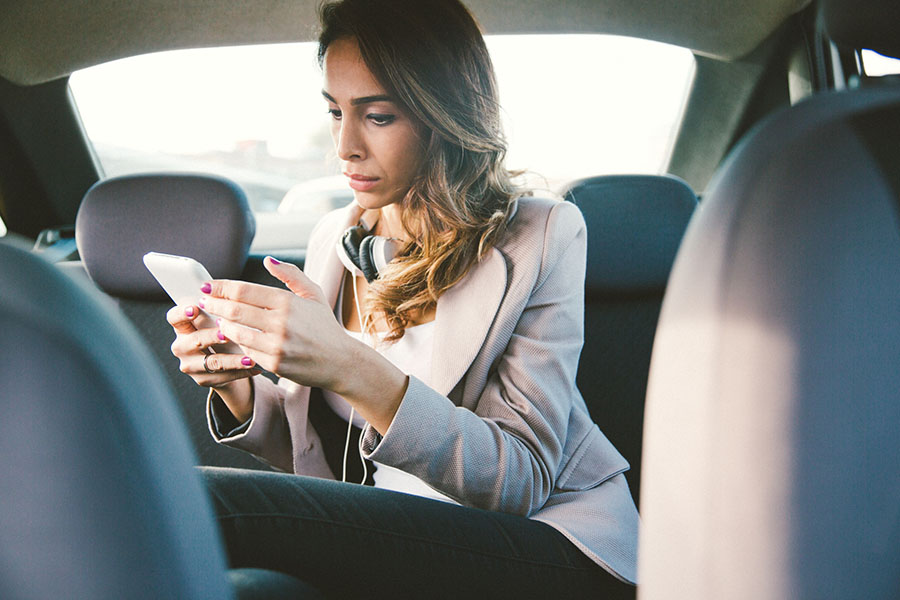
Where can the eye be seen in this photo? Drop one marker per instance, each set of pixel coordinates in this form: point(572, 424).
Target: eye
point(380, 119)
point(335, 113)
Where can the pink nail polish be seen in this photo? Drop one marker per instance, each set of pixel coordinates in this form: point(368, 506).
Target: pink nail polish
point(201, 304)
point(189, 311)
point(207, 288)
point(246, 361)
point(220, 335)
point(274, 262)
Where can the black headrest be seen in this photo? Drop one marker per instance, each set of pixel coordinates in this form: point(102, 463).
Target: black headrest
point(871, 24)
point(635, 224)
point(121, 219)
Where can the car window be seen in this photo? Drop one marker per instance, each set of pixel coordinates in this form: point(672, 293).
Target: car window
point(574, 106)
point(876, 65)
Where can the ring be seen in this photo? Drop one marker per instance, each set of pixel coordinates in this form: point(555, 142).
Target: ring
point(206, 366)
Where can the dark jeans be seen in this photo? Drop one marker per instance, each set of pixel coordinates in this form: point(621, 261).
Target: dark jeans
point(354, 541)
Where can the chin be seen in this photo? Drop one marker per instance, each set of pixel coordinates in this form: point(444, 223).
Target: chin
point(372, 201)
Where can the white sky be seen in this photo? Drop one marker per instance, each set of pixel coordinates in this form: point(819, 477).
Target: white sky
point(575, 105)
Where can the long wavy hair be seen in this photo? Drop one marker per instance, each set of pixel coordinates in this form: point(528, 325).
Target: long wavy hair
point(430, 56)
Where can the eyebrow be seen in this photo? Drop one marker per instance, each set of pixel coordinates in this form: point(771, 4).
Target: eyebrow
point(362, 100)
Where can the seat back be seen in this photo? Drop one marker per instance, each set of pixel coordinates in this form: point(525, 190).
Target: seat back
point(204, 217)
point(635, 224)
point(99, 499)
point(771, 446)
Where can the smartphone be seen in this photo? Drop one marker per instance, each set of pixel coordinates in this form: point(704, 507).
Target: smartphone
point(182, 277)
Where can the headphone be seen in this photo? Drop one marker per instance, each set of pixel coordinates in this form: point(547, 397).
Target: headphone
point(366, 254)
point(363, 253)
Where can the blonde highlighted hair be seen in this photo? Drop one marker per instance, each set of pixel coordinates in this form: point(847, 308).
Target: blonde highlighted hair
point(431, 58)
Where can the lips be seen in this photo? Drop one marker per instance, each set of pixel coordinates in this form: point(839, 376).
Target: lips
point(361, 183)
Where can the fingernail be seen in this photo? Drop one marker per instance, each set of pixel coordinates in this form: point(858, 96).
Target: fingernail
point(219, 321)
point(201, 303)
point(220, 335)
point(274, 262)
point(247, 361)
point(207, 288)
point(189, 311)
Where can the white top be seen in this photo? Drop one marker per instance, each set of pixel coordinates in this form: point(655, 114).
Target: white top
point(412, 355)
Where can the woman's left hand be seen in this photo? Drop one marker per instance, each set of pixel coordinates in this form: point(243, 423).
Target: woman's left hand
point(291, 333)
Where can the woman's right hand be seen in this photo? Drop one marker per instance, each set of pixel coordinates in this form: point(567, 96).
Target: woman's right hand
point(229, 371)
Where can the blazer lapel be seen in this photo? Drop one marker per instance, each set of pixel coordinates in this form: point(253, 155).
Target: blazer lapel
point(463, 317)
point(326, 268)
point(464, 313)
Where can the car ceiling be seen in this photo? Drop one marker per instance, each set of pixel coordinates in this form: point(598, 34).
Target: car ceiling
point(43, 40)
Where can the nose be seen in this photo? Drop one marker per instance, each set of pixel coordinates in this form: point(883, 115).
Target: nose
point(349, 141)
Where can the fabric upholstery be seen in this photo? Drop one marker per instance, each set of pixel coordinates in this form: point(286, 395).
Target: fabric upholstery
point(635, 224)
point(121, 219)
point(99, 499)
point(771, 454)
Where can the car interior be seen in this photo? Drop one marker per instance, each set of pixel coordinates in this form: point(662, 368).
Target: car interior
point(742, 322)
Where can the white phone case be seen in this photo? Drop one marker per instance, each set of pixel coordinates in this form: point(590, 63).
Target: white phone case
point(182, 277)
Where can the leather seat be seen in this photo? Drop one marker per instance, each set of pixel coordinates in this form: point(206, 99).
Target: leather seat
point(771, 447)
point(635, 224)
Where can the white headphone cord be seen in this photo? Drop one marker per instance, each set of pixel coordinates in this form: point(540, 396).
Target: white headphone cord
point(362, 330)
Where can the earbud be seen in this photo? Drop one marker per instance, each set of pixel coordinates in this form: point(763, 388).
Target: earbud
point(365, 254)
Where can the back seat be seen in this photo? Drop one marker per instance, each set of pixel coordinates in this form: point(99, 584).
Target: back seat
point(635, 224)
point(204, 217)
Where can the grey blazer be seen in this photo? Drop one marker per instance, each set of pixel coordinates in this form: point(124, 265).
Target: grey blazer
point(500, 410)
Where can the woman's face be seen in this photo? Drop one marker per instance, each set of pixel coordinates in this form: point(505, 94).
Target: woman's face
point(379, 144)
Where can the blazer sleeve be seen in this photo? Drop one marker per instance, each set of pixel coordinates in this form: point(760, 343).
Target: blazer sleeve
point(267, 434)
point(505, 455)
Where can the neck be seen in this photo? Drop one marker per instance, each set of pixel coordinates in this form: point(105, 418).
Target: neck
point(389, 223)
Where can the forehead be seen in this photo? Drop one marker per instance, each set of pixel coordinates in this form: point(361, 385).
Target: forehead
point(346, 75)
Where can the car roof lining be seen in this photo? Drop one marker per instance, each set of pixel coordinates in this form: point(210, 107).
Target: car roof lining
point(48, 39)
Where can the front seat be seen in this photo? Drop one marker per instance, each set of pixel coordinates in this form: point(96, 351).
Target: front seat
point(98, 497)
point(771, 446)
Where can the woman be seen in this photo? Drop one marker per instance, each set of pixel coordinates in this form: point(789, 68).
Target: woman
point(457, 360)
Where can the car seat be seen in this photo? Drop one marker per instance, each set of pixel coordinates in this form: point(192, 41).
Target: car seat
point(99, 499)
point(771, 446)
point(635, 224)
point(201, 216)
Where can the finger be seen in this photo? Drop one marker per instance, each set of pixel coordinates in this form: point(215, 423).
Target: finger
point(238, 312)
point(294, 278)
point(251, 339)
point(255, 294)
point(181, 318)
point(198, 342)
point(225, 377)
point(210, 364)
